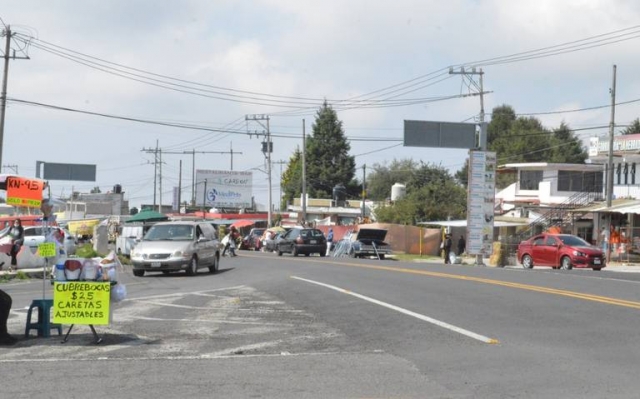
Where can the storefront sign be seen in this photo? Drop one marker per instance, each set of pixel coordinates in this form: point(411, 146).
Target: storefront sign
point(24, 192)
point(625, 143)
point(81, 302)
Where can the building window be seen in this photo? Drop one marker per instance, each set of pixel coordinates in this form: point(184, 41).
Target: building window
point(618, 172)
point(633, 173)
point(530, 179)
point(579, 181)
point(626, 173)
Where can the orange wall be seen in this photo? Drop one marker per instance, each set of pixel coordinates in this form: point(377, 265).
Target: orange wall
point(403, 239)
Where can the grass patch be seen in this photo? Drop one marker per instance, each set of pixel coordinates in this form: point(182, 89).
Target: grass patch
point(20, 275)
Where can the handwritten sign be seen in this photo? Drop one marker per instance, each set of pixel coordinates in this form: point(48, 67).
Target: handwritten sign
point(81, 302)
point(47, 249)
point(24, 192)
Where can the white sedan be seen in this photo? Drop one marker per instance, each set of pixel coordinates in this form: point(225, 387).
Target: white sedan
point(35, 235)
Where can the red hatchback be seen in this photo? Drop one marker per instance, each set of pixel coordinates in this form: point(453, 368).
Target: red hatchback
point(563, 251)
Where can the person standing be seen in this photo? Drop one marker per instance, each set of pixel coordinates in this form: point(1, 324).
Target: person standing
point(329, 240)
point(447, 248)
point(461, 245)
point(16, 232)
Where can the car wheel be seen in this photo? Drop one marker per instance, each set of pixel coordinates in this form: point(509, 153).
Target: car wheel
point(322, 254)
point(294, 252)
point(193, 267)
point(166, 272)
point(597, 269)
point(381, 256)
point(138, 273)
point(216, 262)
point(307, 254)
point(527, 262)
point(279, 252)
point(565, 263)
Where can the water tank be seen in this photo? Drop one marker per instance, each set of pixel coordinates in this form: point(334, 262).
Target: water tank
point(117, 189)
point(398, 191)
point(339, 195)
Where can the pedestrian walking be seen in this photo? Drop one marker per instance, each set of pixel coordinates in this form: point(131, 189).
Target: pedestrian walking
point(329, 240)
point(462, 244)
point(448, 243)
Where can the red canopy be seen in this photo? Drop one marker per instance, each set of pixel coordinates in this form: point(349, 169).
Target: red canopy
point(243, 223)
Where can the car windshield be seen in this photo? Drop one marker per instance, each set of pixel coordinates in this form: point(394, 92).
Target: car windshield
point(174, 232)
point(573, 241)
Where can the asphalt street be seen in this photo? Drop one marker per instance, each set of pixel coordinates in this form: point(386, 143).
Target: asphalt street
point(311, 327)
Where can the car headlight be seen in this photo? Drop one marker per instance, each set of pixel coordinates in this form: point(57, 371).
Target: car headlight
point(181, 254)
point(578, 253)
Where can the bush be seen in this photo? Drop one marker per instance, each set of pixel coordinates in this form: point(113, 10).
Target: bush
point(86, 251)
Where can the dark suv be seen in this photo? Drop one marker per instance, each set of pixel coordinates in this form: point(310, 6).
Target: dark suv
point(302, 241)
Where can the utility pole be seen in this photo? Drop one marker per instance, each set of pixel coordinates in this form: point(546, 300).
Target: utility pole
point(280, 162)
point(5, 77)
point(610, 161)
point(482, 139)
point(304, 173)
point(12, 167)
point(364, 188)
point(267, 149)
point(180, 188)
point(160, 185)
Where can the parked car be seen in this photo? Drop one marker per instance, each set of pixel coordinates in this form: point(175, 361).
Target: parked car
point(302, 241)
point(36, 235)
point(174, 246)
point(252, 240)
point(563, 251)
point(271, 244)
point(367, 243)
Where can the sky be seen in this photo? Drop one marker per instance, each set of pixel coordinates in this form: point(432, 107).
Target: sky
point(210, 64)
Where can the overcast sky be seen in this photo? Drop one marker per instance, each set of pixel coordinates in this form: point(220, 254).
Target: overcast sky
point(378, 62)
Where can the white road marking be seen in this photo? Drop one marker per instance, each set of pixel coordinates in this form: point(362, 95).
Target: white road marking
point(428, 319)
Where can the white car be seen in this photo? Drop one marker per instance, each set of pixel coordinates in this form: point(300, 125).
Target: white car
point(35, 235)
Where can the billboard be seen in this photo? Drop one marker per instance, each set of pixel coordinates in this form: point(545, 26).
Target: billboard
point(224, 188)
point(481, 202)
point(439, 134)
point(66, 171)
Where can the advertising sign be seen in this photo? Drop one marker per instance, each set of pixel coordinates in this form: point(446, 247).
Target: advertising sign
point(81, 302)
point(24, 192)
point(480, 202)
point(224, 188)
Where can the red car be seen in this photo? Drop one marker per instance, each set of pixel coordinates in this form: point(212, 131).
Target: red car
point(563, 251)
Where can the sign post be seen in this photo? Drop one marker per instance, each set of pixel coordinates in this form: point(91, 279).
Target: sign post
point(81, 302)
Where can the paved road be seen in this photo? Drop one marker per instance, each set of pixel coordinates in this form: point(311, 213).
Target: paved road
point(285, 327)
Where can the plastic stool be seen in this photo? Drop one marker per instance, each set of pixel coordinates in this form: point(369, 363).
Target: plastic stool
point(44, 325)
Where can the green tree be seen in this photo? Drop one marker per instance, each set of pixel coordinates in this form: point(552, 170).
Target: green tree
point(524, 139)
point(95, 190)
point(327, 154)
point(382, 177)
point(291, 179)
point(432, 194)
point(566, 147)
point(633, 128)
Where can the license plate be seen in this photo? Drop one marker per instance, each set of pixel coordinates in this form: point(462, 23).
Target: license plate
point(313, 241)
point(156, 264)
point(596, 261)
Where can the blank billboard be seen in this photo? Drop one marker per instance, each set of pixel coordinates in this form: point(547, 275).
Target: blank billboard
point(69, 171)
point(440, 134)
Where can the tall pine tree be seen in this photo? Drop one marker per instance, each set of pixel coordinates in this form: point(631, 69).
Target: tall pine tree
point(327, 157)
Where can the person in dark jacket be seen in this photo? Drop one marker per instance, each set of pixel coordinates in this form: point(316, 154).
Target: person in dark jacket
point(329, 241)
point(5, 308)
point(462, 245)
point(448, 243)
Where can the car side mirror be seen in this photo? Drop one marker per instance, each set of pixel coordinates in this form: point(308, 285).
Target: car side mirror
point(202, 238)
